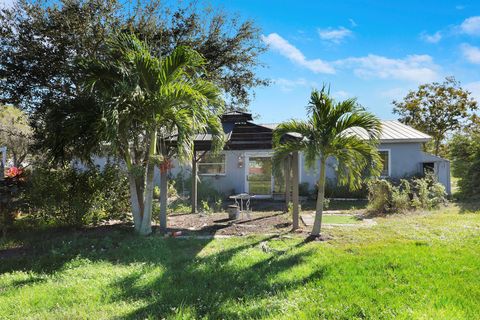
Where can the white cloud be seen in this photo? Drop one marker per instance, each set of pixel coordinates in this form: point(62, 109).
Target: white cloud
point(287, 85)
point(352, 23)
point(287, 50)
point(394, 93)
point(6, 3)
point(459, 7)
point(474, 88)
point(334, 35)
point(431, 38)
point(415, 68)
point(471, 53)
point(471, 26)
point(340, 94)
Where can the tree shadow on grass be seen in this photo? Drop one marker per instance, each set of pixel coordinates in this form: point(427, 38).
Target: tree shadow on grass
point(203, 284)
point(470, 205)
point(212, 285)
point(206, 284)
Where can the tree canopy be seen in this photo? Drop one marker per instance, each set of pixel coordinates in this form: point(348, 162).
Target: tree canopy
point(436, 109)
point(42, 44)
point(15, 133)
point(146, 103)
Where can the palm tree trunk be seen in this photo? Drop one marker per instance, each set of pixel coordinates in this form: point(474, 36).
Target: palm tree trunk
point(163, 200)
point(134, 194)
point(136, 211)
point(320, 197)
point(146, 227)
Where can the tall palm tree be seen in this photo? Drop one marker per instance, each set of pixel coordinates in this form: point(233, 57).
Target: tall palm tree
point(145, 100)
point(328, 133)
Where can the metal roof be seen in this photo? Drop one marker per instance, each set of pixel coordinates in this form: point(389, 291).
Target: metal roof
point(392, 132)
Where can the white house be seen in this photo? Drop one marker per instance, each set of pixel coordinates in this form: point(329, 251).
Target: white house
point(245, 165)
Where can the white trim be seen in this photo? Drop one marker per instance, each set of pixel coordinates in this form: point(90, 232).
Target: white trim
point(259, 154)
point(389, 162)
point(411, 140)
point(214, 163)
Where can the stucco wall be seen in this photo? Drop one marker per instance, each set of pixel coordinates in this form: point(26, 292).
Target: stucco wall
point(232, 182)
point(405, 160)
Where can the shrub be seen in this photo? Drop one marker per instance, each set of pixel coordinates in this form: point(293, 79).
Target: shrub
point(156, 192)
point(379, 197)
point(400, 198)
point(464, 151)
point(303, 189)
point(334, 190)
point(180, 206)
point(218, 206)
point(418, 193)
point(205, 207)
point(72, 197)
point(11, 197)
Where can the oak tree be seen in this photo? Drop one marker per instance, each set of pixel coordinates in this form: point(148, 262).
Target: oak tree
point(436, 109)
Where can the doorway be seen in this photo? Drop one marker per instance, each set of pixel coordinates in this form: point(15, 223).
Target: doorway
point(259, 178)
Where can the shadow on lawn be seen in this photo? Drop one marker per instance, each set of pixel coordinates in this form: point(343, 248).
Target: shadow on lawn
point(201, 285)
point(471, 205)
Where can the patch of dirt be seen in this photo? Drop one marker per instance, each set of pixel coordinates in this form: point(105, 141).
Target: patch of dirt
point(219, 224)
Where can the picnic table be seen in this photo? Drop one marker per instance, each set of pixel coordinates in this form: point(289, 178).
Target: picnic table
point(242, 200)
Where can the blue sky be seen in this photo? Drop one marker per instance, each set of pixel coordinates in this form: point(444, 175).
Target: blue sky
point(373, 50)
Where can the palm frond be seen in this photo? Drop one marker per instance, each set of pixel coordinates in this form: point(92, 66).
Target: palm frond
point(356, 159)
point(292, 126)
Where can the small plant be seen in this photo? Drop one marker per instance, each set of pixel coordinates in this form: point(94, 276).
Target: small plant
point(290, 208)
point(179, 206)
point(156, 192)
point(205, 207)
point(218, 206)
point(326, 203)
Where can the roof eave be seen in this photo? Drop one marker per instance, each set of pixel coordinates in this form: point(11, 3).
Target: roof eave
point(420, 140)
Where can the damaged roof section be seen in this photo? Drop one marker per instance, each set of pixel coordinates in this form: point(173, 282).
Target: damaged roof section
point(243, 134)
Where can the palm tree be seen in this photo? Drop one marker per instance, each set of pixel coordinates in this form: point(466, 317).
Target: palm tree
point(145, 101)
point(328, 133)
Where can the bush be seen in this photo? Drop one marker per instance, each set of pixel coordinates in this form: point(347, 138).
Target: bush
point(71, 197)
point(156, 192)
point(418, 193)
point(11, 197)
point(464, 152)
point(180, 206)
point(334, 190)
point(304, 190)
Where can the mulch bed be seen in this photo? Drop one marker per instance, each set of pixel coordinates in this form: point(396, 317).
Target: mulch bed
point(219, 224)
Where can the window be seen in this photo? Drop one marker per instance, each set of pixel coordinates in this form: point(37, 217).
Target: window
point(211, 165)
point(385, 156)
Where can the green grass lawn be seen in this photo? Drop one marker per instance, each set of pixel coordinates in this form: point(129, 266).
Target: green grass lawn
point(418, 266)
point(340, 219)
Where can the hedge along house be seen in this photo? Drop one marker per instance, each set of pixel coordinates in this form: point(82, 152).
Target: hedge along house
point(245, 165)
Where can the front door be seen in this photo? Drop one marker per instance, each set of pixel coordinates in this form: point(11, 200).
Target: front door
point(259, 175)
